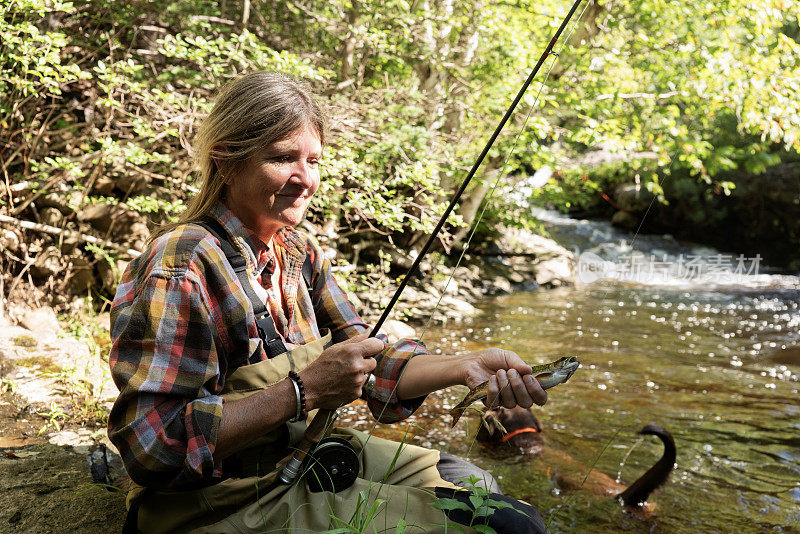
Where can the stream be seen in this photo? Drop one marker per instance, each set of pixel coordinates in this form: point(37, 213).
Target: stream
point(704, 343)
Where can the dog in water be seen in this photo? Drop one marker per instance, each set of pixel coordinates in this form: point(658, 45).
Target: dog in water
point(523, 432)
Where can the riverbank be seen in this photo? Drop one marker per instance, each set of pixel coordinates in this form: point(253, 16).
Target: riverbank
point(56, 387)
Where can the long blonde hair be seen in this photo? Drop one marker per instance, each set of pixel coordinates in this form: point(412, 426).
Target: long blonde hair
point(249, 113)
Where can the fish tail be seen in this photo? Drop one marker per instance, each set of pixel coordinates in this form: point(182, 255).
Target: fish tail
point(456, 413)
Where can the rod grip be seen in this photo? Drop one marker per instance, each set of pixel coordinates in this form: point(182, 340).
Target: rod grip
point(316, 428)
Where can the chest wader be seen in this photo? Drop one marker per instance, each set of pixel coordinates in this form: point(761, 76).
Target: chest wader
point(253, 500)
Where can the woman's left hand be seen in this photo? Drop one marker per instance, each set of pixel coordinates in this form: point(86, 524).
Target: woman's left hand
point(510, 380)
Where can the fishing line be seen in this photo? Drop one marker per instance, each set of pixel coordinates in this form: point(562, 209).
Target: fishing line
point(500, 175)
point(625, 458)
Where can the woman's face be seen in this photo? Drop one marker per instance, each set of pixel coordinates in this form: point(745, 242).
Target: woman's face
point(275, 186)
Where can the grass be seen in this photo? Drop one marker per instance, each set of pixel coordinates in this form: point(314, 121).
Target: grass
point(55, 418)
point(8, 386)
point(25, 341)
point(41, 363)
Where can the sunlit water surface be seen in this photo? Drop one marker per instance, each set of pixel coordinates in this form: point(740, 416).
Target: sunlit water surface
point(719, 369)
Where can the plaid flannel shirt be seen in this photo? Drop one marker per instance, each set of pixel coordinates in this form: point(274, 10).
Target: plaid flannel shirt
point(181, 322)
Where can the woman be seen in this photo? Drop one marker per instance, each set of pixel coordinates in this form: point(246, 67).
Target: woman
point(206, 411)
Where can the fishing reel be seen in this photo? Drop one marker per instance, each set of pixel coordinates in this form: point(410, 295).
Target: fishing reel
point(332, 466)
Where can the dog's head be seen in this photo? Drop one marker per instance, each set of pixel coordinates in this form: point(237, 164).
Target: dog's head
point(523, 430)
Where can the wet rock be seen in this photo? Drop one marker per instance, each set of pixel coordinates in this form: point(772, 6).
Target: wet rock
point(461, 307)
point(527, 285)
point(470, 273)
point(398, 330)
point(411, 294)
point(499, 286)
point(554, 272)
point(553, 264)
point(516, 277)
point(448, 285)
point(48, 488)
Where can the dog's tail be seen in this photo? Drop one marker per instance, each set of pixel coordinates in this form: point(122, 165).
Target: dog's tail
point(638, 492)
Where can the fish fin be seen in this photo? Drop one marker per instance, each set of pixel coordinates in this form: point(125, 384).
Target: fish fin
point(456, 413)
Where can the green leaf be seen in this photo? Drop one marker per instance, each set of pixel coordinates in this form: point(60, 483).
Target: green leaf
point(500, 505)
point(450, 504)
point(477, 501)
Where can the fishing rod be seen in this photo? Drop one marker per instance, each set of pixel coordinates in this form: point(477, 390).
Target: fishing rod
point(415, 266)
point(325, 418)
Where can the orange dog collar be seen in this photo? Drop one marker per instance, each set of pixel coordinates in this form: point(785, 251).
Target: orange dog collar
point(517, 432)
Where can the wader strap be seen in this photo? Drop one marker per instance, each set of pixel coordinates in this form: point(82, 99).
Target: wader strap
point(273, 343)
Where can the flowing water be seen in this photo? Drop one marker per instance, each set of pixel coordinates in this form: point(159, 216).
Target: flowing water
point(712, 354)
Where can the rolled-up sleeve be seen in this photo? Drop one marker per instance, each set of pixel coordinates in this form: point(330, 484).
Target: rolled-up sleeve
point(334, 311)
point(164, 361)
point(382, 399)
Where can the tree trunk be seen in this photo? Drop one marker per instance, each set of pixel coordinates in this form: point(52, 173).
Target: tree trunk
point(471, 203)
point(585, 31)
point(245, 13)
point(349, 48)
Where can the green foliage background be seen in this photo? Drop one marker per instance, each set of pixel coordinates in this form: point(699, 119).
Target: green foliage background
point(704, 94)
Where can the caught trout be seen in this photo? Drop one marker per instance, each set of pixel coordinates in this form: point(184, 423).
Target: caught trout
point(548, 374)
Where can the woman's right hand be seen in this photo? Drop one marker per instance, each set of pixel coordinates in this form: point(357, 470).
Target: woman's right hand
point(337, 376)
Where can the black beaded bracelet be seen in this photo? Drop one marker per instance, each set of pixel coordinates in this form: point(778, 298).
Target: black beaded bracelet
point(302, 411)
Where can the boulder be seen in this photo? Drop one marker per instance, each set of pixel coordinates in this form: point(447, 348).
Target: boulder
point(41, 321)
point(99, 215)
point(447, 285)
point(119, 221)
point(499, 286)
point(516, 277)
point(47, 263)
point(633, 198)
point(81, 274)
point(11, 240)
point(110, 274)
point(397, 330)
point(51, 216)
point(554, 272)
point(461, 307)
point(624, 219)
